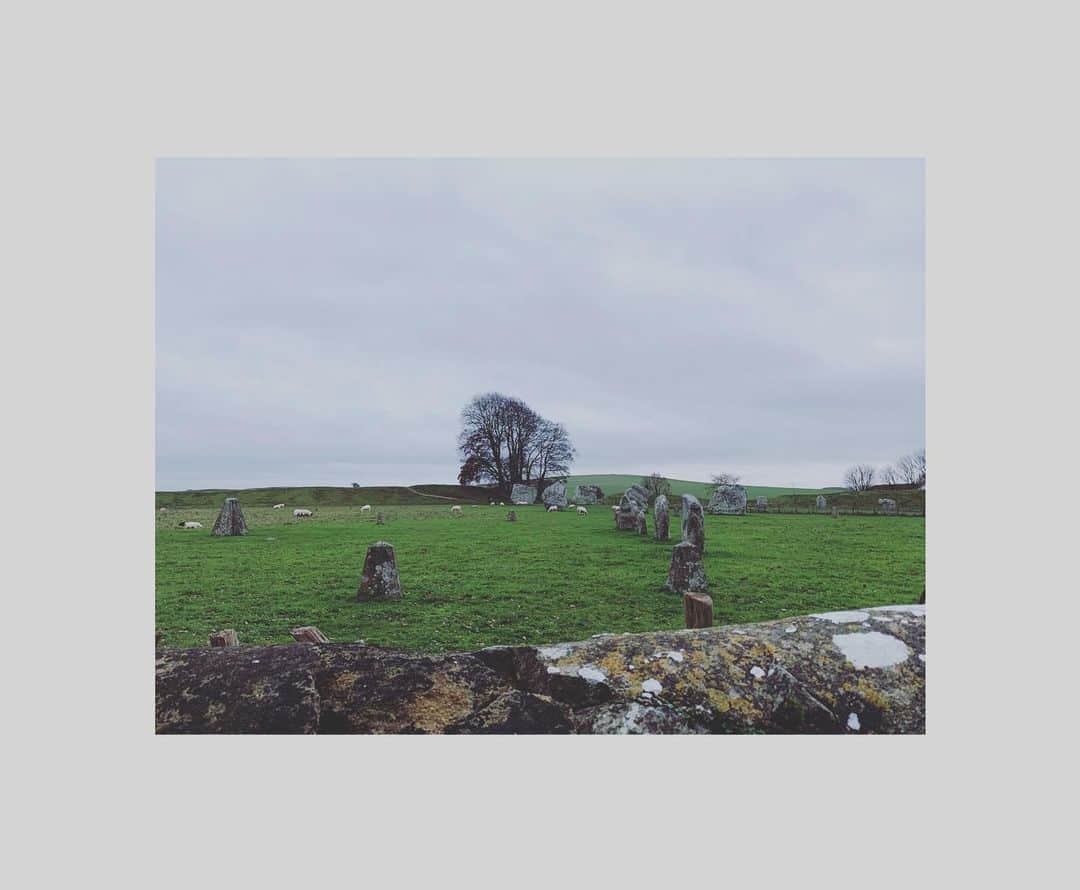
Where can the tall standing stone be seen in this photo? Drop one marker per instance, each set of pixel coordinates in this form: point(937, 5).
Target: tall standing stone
point(555, 495)
point(821, 502)
point(230, 520)
point(661, 521)
point(687, 572)
point(379, 580)
point(523, 494)
point(635, 497)
point(693, 522)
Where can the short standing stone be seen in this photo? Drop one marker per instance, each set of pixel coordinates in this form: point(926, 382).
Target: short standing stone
point(821, 502)
point(555, 494)
point(697, 610)
point(511, 516)
point(687, 573)
point(309, 634)
point(888, 505)
point(523, 494)
point(642, 525)
point(588, 494)
point(762, 503)
point(224, 638)
point(693, 522)
point(379, 580)
point(230, 520)
point(379, 519)
point(661, 521)
point(728, 500)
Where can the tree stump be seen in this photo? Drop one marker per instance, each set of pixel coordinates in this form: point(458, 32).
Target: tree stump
point(511, 516)
point(687, 573)
point(230, 520)
point(693, 527)
point(379, 580)
point(697, 610)
point(224, 638)
point(642, 524)
point(309, 634)
point(661, 520)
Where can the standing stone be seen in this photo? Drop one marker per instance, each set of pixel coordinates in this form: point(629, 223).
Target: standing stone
point(555, 494)
point(379, 520)
point(588, 494)
point(230, 520)
point(642, 525)
point(523, 494)
point(762, 503)
point(687, 572)
point(728, 500)
point(835, 512)
point(636, 497)
point(511, 516)
point(693, 522)
point(888, 505)
point(697, 610)
point(309, 634)
point(626, 519)
point(661, 521)
point(224, 638)
point(379, 580)
point(820, 502)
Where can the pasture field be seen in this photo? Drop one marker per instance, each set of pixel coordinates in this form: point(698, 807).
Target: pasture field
point(617, 483)
point(479, 580)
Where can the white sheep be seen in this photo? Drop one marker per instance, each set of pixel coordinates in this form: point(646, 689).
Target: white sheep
point(366, 508)
point(502, 504)
point(298, 513)
point(455, 510)
point(572, 506)
point(278, 507)
point(553, 509)
point(163, 510)
point(615, 508)
point(581, 511)
point(190, 525)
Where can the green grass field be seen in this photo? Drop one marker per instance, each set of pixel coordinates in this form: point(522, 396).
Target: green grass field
point(480, 580)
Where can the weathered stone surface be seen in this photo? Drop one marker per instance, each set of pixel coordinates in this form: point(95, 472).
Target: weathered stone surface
point(523, 494)
point(635, 498)
point(588, 494)
point(762, 502)
point(511, 516)
point(693, 522)
point(697, 610)
point(820, 502)
point(860, 671)
point(379, 580)
point(223, 638)
point(687, 572)
point(661, 519)
point(641, 525)
point(626, 520)
point(887, 505)
point(728, 500)
point(309, 634)
point(555, 495)
point(230, 520)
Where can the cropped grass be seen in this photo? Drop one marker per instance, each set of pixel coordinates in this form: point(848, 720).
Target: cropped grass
point(479, 580)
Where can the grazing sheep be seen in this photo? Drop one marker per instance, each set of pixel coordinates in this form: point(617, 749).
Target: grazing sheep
point(163, 510)
point(298, 513)
point(455, 510)
point(581, 511)
point(366, 508)
point(501, 504)
point(190, 525)
point(553, 509)
point(278, 507)
point(572, 506)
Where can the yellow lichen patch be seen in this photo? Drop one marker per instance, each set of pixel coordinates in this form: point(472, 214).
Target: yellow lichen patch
point(725, 704)
point(341, 684)
point(436, 708)
point(868, 693)
point(613, 664)
point(214, 710)
point(261, 690)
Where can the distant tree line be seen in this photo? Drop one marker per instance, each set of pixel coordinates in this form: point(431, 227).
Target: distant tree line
point(909, 471)
point(503, 442)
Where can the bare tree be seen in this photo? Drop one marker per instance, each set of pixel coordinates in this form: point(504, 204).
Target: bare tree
point(725, 479)
point(503, 441)
point(859, 477)
point(912, 468)
point(656, 485)
point(888, 475)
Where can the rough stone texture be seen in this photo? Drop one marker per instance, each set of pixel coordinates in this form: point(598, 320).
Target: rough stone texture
point(845, 672)
point(661, 519)
point(641, 524)
point(687, 572)
point(635, 498)
point(693, 522)
point(379, 580)
point(224, 638)
point(888, 505)
point(626, 520)
point(555, 495)
point(523, 494)
point(820, 503)
point(511, 516)
point(728, 500)
point(762, 502)
point(697, 610)
point(588, 494)
point(230, 520)
point(309, 634)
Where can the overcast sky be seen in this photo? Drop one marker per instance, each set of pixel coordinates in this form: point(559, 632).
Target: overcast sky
point(324, 322)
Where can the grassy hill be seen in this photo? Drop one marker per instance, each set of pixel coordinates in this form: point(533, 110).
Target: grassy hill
point(615, 483)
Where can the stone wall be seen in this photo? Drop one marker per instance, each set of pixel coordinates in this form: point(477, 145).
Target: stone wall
point(859, 671)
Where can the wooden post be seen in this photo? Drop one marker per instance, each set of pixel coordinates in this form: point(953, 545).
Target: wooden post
point(697, 610)
point(309, 634)
point(224, 638)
